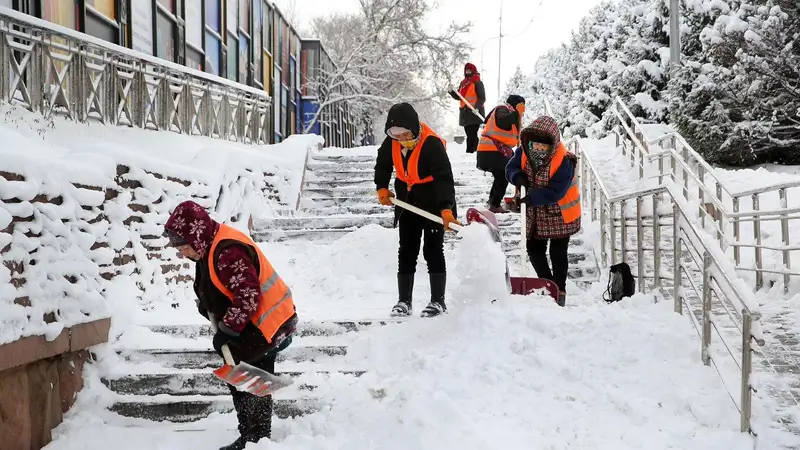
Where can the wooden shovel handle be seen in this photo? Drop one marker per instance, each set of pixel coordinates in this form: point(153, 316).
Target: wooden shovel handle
point(226, 352)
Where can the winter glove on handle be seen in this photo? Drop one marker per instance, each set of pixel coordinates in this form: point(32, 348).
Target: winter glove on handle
point(448, 218)
point(384, 196)
point(454, 95)
point(224, 335)
point(521, 180)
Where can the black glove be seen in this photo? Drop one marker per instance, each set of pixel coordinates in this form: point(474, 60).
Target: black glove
point(521, 180)
point(454, 95)
point(524, 199)
point(224, 336)
point(201, 309)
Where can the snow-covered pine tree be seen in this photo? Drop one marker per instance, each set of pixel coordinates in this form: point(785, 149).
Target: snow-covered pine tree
point(518, 84)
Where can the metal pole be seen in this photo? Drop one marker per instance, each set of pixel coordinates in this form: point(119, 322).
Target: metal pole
point(674, 33)
point(500, 51)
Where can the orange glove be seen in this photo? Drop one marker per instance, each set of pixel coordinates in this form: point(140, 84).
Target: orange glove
point(383, 197)
point(447, 218)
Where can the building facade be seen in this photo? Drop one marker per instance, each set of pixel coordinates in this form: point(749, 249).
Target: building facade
point(247, 41)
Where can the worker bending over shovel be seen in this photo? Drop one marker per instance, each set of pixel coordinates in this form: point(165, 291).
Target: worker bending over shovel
point(425, 180)
point(553, 213)
point(236, 284)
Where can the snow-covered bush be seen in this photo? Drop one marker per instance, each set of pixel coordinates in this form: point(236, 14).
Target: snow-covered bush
point(82, 213)
point(734, 97)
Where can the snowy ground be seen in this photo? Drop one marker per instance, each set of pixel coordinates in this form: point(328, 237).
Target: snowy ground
point(518, 373)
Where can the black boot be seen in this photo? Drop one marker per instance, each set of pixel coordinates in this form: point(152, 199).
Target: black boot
point(405, 289)
point(255, 418)
point(436, 306)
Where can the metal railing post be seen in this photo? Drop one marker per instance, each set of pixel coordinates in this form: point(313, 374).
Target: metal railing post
point(757, 249)
point(737, 250)
point(747, 367)
point(705, 350)
point(603, 227)
point(623, 231)
point(613, 227)
point(676, 265)
point(656, 244)
point(640, 244)
point(787, 258)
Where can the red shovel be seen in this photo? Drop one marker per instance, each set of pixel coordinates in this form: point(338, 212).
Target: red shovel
point(246, 377)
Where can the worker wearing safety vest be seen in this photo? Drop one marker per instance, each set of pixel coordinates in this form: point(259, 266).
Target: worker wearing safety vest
point(471, 89)
point(236, 283)
point(500, 136)
point(543, 164)
point(424, 178)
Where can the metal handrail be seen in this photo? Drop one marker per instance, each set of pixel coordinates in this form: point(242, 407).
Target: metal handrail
point(51, 69)
point(714, 265)
point(693, 168)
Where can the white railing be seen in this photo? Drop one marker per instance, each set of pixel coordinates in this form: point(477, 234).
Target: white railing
point(675, 258)
point(51, 69)
point(719, 206)
point(634, 223)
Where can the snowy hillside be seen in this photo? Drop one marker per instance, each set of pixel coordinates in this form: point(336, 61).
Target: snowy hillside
point(82, 208)
point(732, 97)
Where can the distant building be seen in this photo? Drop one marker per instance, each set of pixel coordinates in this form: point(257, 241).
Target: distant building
point(334, 123)
point(247, 41)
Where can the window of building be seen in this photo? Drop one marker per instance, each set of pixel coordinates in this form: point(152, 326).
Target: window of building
point(195, 29)
point(213, 42)
point(266, 12)
point(244, 15)
point(244, 57)
point(165, 34)
point(168, 5)
point(61, 12)
point(257, 45)
point(213, 50)
point(233, 57)
point(194, 58)
point(267, 72)
point(101, 21)
point(104, 7)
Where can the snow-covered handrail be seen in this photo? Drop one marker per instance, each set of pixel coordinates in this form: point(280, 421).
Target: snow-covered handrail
point(57, 70)
point(721, 203)
point(719, 276)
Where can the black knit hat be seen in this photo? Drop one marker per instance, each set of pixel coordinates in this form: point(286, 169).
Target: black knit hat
point(403, 115)
point(515, 100)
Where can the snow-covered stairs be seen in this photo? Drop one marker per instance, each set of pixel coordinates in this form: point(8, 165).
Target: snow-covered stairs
point(175, 383)
point(338, 197)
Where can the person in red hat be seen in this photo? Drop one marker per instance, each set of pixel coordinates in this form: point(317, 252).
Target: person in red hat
point(471, 89)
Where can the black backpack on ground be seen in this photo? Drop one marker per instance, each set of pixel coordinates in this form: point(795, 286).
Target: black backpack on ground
point(620, 283)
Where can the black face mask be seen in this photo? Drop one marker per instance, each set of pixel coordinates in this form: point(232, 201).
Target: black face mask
point(467, 74)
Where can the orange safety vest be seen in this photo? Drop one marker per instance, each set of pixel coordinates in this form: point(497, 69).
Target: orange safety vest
point(410, 176)
point(570, 204)
point(276, 305)
point(491, 133)
point(471, 97)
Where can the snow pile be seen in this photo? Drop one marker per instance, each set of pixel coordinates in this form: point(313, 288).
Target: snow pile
point(82, 209)
point(480, 265)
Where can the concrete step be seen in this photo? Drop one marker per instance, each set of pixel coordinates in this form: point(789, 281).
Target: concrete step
point(304, 329)
point(348, 198)
point(204, 359)
point(368, 191)
point(204, 382)
point(344, 221)
point(176, 409)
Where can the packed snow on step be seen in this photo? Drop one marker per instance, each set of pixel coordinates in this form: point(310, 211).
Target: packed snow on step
point(518, 373)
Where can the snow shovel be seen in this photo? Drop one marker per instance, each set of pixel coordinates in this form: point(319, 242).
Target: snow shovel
point(246, 377)
point(423, 213)
point(474, 111)
point(527, 285)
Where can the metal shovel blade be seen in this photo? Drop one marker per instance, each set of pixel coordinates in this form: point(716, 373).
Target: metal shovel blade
point(248, 378)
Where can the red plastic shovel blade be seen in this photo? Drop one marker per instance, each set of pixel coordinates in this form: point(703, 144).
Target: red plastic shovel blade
point(526, 286)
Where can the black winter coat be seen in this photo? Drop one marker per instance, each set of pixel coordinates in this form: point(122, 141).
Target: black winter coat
point(465, 115)
point(432, 197)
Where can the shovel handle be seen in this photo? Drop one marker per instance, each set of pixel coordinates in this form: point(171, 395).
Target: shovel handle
point(474, 111)
point(226, 352)
point(423, 213)
point(523, 217)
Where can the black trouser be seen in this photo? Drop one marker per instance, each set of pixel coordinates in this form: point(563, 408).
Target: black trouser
point(559, 256)
point(412, 227)
point(472, 137)
point(494, 163)
point(253, 412)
